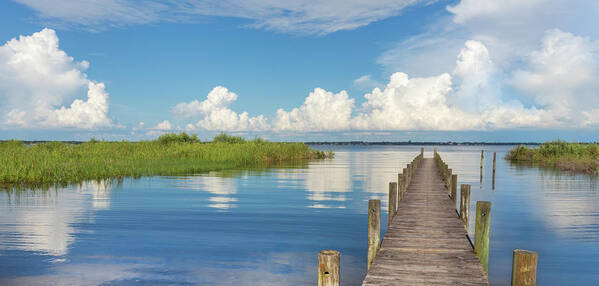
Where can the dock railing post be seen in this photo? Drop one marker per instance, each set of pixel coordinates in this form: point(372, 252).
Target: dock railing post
point(422, 152)
point(448, 181)
point(392, 201)
point(481, 233)
point(465, 204)
point(328, 268)
point(454, 187)
point(524, 268)
point(482, 156)
point(374, 230)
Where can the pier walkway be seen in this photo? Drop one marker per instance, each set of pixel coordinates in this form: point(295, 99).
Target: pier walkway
point(427, 243)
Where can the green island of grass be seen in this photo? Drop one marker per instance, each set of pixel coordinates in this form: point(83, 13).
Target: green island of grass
point(60, 163)
point(575, 157)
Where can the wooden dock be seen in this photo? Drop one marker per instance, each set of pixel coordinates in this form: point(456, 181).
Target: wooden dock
point(426, 243)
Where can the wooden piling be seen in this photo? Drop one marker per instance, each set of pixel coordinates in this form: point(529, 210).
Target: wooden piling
point(399, 188)
point(481, 233)
point(448, 180)
point(422, 151)
point(392, 201)
point(374, 230)
point(328, 268)
point(524, 268)
point(454, 187)
point(465, 204)
point(406, 180)
point(494, 157)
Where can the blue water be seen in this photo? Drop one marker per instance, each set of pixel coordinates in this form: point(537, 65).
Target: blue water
point(265, 227)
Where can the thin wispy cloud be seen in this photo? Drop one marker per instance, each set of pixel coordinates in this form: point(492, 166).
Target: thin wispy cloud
point(286, 16)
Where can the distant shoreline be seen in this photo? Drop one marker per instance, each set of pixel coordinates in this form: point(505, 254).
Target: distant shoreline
point(366, 143)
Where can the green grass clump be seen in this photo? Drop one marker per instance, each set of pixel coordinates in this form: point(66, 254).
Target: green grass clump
point(170, 154)
point(226, 138)
point(577, 157)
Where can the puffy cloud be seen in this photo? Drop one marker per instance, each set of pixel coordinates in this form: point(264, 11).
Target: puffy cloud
point(164, 125)
point(322, 110)
point(562, 74)
point(216, 114)
point(36, 77)
point(304, 16)
point(474, 71)
point(413, 103)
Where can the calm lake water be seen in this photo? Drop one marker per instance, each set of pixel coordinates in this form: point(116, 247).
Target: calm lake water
point(265, 227)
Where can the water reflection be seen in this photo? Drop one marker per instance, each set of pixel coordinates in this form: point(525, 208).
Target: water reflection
point(265, 226)
point(42, 220)
point(223, 189)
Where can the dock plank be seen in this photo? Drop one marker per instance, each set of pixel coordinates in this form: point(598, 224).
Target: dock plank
point(426, 244)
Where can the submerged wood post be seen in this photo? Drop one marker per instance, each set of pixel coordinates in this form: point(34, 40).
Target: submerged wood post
point(524, 268)
point(481, 233)
point(454, 187)
point(374, 230)
point(465, 204)
point(392, 201)
point(328, 268)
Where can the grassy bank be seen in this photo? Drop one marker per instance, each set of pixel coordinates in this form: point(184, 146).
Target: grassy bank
point(576, 157)
point(62, 163)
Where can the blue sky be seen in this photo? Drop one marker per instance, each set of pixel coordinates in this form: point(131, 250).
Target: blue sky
point(302, 70)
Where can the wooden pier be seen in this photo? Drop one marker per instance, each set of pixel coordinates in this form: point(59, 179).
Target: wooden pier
point(426, 243)
point(427, 240)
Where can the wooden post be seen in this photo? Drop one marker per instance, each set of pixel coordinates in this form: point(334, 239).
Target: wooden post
point(392, 201)
point(328, 268)
point(448, 181)
point(406, 181)
point(454, 187)
point(481, 233)
point(524, 268)
point(399, 188)
point(482, 157)
point(422, 152)
point(374, 230)
point(465, 204)
point(494, 157)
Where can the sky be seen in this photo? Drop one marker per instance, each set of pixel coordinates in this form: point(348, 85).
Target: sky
point(300, 70)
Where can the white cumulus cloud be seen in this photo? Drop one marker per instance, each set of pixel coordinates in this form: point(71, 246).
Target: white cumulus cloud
point(37, 78)
point(322, 110)
point(562, 74)
point(215, 113)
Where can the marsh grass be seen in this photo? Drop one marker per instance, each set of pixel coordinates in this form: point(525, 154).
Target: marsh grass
point(576, 157)
point(171, 154)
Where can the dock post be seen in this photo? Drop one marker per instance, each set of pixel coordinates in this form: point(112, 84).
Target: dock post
point(399, 189)
point(392, 201)
point(454, 187)
point(482, 156)
point(448, 180)
point(494, 157)
point(328, 268)
point(406, 181)
point(374, 230)
point(465, 204)
point(422, 152)
point(524, 268)
point(481, 233)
